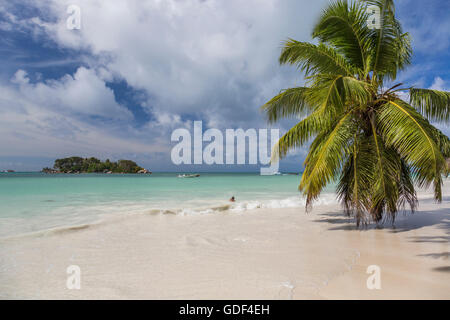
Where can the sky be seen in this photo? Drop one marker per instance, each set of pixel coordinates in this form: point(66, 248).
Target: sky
point(137, 70)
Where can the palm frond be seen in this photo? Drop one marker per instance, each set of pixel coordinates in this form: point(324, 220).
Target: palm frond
point(300, 134)
point(313, 59)
point(403, 128)
point(385, 192)
point(356, 91)
point(343, 26)
point(328, 90)
point(356, 175)
point(390, 48)
point(326, 156)
point(434, 104)
point(290, 103)
point(407, 193)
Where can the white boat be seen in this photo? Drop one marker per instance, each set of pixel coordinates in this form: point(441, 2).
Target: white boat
point(188, 175)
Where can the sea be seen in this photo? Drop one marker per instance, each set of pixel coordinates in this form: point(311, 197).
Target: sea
point(35, 202)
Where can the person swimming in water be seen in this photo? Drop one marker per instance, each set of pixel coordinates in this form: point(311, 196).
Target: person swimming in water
point(232, 199)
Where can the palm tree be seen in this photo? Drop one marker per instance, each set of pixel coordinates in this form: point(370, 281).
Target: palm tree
point(365, 136)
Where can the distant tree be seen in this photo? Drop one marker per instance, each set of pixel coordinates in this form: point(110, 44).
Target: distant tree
point(91, 165)
point(69, 164)
point(128, 166)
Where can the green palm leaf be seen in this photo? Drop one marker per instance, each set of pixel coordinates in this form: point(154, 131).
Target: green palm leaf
point(301, 133)
point(433, 104)
point(356, 175)
point(391, 49)
point(343, 26)
point(312, 58)
point(411, 135)
point(290, 103)
point(326, 156)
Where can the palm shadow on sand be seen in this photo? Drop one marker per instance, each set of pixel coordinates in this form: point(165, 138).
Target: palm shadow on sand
point(406, 222)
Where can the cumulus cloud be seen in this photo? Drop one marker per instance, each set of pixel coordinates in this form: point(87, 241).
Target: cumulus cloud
point(208, 60)
point(33, 128)
point(211, 60)
point(214, 59)
point(439, 84)
point(75, 114)
point(83, 93)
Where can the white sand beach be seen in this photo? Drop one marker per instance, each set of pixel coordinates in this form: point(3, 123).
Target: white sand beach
point(257, 254)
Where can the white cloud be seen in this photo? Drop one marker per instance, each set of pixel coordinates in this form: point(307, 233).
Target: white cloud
point(428, 23)
point(439, 84)
point(20, 77)
point(214, 60)
point(31, 128)
point(83, 93)
point(192, 56)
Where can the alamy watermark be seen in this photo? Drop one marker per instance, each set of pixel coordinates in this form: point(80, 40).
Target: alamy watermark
point(237, 150)
point(73, 281)
point(374, 20)
point(73, 22)
point(374, 280)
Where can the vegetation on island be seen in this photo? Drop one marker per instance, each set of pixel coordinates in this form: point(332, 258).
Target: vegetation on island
point(93, 165)
point(371, 135)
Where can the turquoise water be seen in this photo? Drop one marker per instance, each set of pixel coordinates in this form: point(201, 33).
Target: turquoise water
point(31, 202)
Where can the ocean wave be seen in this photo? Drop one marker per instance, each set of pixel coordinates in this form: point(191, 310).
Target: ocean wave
point(115, 213)
point(49, 232)
point(291, 202)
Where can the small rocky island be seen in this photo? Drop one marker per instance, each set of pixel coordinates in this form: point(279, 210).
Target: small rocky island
point(94, 165)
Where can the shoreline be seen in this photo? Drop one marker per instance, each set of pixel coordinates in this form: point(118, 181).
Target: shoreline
point(256, 254)
point(132, 209)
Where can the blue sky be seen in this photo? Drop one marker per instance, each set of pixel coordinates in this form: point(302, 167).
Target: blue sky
point(137, 70)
